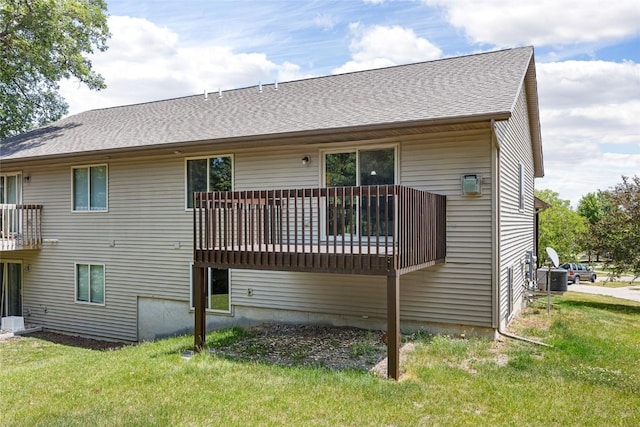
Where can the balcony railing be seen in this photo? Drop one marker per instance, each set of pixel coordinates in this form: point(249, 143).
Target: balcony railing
point(20, 227)
point(376, 230)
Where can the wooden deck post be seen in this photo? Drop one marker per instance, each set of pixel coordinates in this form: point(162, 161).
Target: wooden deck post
point(393, 326)
point(200, 327)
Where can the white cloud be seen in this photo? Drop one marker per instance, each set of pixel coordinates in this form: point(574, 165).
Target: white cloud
point(324, 21)
point(380, 46)
point(543, 22)
point(146, 62)
point(589, 117)
point(590, 100)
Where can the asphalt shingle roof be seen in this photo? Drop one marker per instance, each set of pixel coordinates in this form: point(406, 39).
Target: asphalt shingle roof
point(476, 85)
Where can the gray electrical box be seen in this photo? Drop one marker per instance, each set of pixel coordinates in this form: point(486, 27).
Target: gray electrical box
point(471, 184)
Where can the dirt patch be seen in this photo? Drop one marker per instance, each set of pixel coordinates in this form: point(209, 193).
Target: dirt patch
point(76, 341)
point(308, 345)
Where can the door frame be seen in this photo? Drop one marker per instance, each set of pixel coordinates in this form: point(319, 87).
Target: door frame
point(4, 294)
point(354, 149)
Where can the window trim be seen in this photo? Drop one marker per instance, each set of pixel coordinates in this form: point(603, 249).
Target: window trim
point(228, 312)
point(19, 186)
point(355, 149)
point(104, 284)
point(4, 282)
point(89, 210)
point(521, 189)
point(186, 178)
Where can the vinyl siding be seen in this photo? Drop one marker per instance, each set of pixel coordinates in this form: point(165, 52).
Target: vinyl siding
point(516, 225)
point(458, 292)
point(146, 217)
point(147, 220)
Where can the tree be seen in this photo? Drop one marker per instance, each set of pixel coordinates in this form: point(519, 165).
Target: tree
point(618, 231)
point(560, 227)
point(591, 207)
point(41, 43)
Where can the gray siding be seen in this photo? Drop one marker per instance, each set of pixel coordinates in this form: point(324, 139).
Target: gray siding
point(153, 232)
point(516, 225)
point(459, 291)
point(438, 295)
point(146, 218)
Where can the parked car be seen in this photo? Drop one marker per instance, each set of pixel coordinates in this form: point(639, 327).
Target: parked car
point(577, 272)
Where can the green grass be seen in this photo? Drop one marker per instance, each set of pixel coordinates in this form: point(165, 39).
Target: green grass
point(609, 284)
point(219, 302)
point(591, 377)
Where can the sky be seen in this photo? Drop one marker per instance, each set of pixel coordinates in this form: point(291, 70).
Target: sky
point(587, 56)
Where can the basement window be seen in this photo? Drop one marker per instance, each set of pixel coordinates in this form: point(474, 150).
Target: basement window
point(90, 283)
point(218, 295)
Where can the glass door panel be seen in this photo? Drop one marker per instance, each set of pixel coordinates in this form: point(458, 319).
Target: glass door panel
point(10, 289)
point(365, 216)
point(10, 193)
point(340, 171)
point(377, 167)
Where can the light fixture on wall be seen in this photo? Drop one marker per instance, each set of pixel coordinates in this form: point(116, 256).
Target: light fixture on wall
point(305, 160)
point(27, 178)
point(471, 184)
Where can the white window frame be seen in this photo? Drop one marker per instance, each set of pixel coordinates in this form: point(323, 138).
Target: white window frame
point(355, 149)
point(89, 210)
point(207, 157)
point(521, 188)
point(210, 310)
point(16, 224)
point(4, 281)
point(18, 176)
point(104, 283)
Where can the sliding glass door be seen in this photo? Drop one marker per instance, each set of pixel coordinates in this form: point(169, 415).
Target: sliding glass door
point(10, 289)
point(360, 216)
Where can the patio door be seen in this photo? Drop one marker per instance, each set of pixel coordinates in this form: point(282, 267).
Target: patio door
point(10, 194)
point(346, 216)
point(10, 289)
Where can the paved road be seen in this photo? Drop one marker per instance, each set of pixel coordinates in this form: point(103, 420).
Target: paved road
point(629, 292)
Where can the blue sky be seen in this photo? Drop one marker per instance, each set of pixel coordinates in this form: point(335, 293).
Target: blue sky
point(587, 58)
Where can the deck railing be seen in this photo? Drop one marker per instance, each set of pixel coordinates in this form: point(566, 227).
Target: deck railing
point(20, 227)
point(365, 230)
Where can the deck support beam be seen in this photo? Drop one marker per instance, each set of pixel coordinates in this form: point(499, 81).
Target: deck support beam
point(200, 295)
point(393, 326)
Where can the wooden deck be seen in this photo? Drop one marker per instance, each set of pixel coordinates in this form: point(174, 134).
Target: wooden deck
point(20, 227)
point(375, 230)
point(385, 230)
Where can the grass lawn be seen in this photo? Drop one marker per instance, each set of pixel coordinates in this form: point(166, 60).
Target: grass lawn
point(609, 284)
point(591, 377)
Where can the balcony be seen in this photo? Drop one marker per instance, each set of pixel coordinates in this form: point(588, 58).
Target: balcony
point(373, 230)
point(385, 230)
point(20, 227)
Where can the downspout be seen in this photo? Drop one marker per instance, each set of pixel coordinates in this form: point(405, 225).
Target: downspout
point(495, 245)
point(495, 226)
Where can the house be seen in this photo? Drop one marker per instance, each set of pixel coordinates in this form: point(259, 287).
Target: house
point(402, 196)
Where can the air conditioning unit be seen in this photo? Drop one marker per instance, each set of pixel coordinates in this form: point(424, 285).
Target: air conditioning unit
point(12, 324)
point(558, 282)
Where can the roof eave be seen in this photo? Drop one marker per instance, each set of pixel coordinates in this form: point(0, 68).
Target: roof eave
point(350, 133)
point(531, 89)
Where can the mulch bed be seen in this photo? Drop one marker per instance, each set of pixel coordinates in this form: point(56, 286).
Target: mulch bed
point(330, 347)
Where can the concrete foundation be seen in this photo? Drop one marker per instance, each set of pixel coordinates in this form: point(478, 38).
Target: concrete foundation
point(160, 318)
